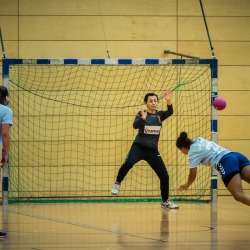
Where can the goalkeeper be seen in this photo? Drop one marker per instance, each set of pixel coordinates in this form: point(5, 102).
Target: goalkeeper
point(145, 147)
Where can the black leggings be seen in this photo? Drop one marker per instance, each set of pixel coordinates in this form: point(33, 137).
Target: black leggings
point(153, 158)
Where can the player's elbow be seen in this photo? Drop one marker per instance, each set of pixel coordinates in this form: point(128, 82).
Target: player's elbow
point(170, 112)
point(5, 130)
point(137, 124)
point(5, 134)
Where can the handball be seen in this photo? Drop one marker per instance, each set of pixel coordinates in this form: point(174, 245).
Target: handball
point(219, 103)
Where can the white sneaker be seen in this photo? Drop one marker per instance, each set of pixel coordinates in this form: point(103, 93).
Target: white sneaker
point(116, 188)
point(169, 204)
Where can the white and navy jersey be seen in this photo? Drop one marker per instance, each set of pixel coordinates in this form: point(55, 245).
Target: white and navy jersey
point(5, 117)
point(205, 152)
point(149, 129)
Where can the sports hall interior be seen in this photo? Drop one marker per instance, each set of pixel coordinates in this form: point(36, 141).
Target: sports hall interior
point(136, 29)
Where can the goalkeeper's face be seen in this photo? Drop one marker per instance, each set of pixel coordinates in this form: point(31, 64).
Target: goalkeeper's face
point(152, 103)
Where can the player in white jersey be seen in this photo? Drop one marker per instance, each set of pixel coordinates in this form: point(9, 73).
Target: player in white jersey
point(232, 166)
point(5, 124)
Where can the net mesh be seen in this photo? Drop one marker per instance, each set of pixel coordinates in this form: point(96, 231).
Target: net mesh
point(73, 129)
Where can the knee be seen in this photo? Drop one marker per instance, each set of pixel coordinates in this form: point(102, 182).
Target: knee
point(238, 196)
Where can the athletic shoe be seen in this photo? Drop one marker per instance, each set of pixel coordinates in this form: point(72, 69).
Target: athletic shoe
point(3, 234)
point(116, 188)
point(169, 204)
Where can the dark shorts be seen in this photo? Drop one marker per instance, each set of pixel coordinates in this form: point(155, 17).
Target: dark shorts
point(230, 165)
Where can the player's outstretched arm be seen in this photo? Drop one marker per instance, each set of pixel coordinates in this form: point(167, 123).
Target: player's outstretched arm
point(168, 96)
point(6, 142)
point(191, 179)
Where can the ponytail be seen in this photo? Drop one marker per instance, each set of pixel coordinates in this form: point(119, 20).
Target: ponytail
point(183, 141)
point(3, 94)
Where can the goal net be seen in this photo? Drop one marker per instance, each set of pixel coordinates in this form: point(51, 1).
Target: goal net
point(73, 126)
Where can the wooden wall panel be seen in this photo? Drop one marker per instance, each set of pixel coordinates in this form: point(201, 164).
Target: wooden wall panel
point(8, 7)
point(221, 8)
point(234, 78)
point(97, 7)
point(11, 50)
point(9, 27)
point(73, 28)
point(60, 28)
point(234, 127)
point(220, 28)
point(237, 145)
point(227, 53)
point(94, 49)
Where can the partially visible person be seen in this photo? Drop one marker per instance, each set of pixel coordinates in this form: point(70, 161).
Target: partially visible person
point(148, 121)
point(232, 166)
point(5, 125)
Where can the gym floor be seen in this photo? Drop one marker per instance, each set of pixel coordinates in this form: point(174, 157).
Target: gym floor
point(223, 226)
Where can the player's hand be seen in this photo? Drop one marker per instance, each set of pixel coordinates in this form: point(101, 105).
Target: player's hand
point(183, 187)
point(144, 113)
point(168, 95)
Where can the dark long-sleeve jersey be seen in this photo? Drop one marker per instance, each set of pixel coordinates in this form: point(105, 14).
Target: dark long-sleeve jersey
point(149, 129)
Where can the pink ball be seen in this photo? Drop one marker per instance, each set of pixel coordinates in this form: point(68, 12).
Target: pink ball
point(219, 103)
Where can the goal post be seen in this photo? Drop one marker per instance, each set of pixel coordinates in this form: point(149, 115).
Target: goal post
point(73, 126)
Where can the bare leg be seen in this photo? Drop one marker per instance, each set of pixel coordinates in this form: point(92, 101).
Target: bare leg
point(235, 188)
point(245, 174)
